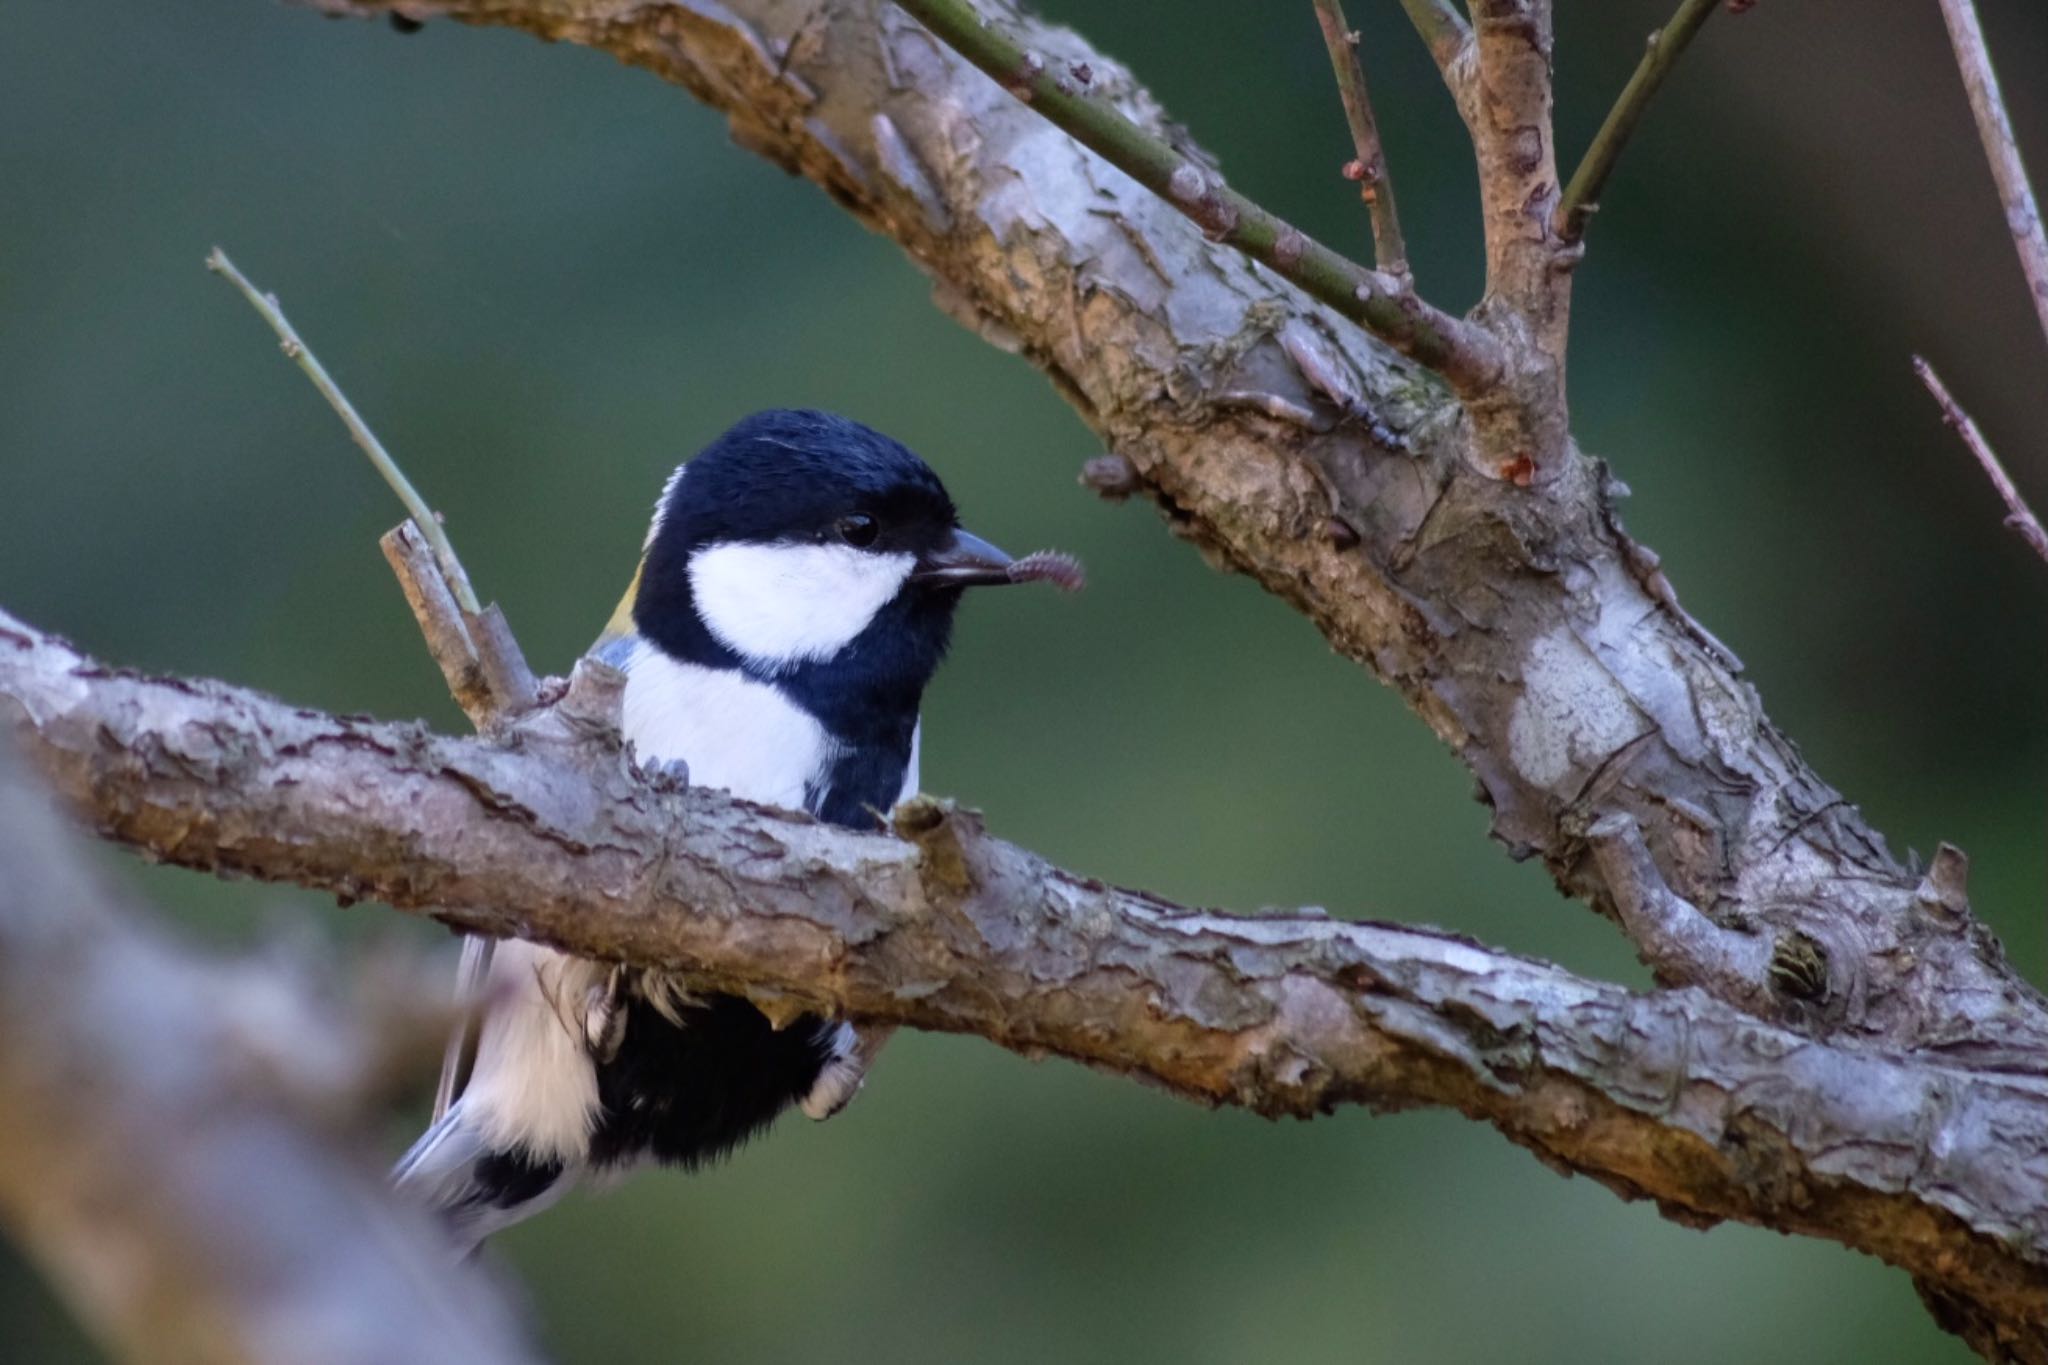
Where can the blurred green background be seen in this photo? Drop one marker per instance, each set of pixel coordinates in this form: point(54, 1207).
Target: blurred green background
point(546, 279)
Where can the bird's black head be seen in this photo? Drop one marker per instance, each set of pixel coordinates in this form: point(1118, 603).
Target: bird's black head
point(803, 546)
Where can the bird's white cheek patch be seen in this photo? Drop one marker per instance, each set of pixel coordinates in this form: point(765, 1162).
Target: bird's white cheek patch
point(782, 605)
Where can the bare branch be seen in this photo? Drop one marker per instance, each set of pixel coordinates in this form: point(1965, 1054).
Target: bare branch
point(1582, 196)
point(1375, 179)
point(1467, 358)
point(157, 1147)
point(2018, 515)
point(359, 431)
point(485, 670)
point(1676, 1096)
point(1516, 147)
point(447, 637)
point(2022, 213)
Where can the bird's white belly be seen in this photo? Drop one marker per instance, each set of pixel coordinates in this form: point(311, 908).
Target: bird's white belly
point(734, 732)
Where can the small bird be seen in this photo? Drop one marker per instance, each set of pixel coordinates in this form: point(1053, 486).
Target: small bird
point(795, 594)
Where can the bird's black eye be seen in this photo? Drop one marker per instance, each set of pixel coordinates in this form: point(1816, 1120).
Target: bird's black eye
point(857, 530)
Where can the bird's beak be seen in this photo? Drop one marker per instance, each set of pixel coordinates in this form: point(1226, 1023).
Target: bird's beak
point(964, 561)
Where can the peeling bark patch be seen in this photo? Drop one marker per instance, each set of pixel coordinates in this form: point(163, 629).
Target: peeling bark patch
point(1571, 714)
point(903, 169)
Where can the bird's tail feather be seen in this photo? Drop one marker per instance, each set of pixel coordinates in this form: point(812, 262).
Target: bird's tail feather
point(475, 1190)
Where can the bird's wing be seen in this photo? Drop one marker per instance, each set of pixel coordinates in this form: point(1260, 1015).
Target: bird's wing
point(470, 976)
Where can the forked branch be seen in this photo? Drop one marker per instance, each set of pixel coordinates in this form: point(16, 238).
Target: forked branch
point(1469, 360)
point(478, 655)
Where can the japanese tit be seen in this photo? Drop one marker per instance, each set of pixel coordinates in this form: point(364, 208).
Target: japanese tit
point(795, 594)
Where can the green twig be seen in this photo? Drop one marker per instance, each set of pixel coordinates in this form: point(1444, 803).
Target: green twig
point(1375, 180)
point(415, 506)
point(1464, 354)
point(1582, 195)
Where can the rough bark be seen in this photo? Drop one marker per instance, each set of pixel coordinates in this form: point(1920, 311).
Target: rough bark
point(161, 1151)
point(1538, 640)
point(1612, 736)
point(1673, 1096)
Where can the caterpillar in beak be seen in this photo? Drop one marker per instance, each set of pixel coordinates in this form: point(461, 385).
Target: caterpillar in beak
point(1056, 567)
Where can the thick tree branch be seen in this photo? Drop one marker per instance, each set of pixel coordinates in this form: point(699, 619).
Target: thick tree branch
point(1375, 178)
point(1582, 195)
point(158, 1148)
point(1674, 1096)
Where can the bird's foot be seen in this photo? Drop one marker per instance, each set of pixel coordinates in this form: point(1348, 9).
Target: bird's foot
point(604, 1015)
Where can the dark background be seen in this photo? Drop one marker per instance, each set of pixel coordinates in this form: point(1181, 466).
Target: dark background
point(545, 279)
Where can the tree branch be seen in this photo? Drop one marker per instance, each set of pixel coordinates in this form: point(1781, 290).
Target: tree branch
point(158, 1148)
point(1467, 358)
point(1375, 179)
point(1541, 642)
point(2019, 516)
point(296, 351)
point(1994, 127)
point(1449, 39)
point(486, 672)
point(1518, 187)
point(1674, 1096)
point(1582, 195)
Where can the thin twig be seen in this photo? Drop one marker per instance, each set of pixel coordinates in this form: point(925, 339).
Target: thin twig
point(1375, 179)
point(1466, 356)
point(2022, 213)
point(1582, 195)
point(416, 506)
point(508, 682)
point(2018, 515)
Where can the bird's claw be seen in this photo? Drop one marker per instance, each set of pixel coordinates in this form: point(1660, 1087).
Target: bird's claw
point(604, 1015)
